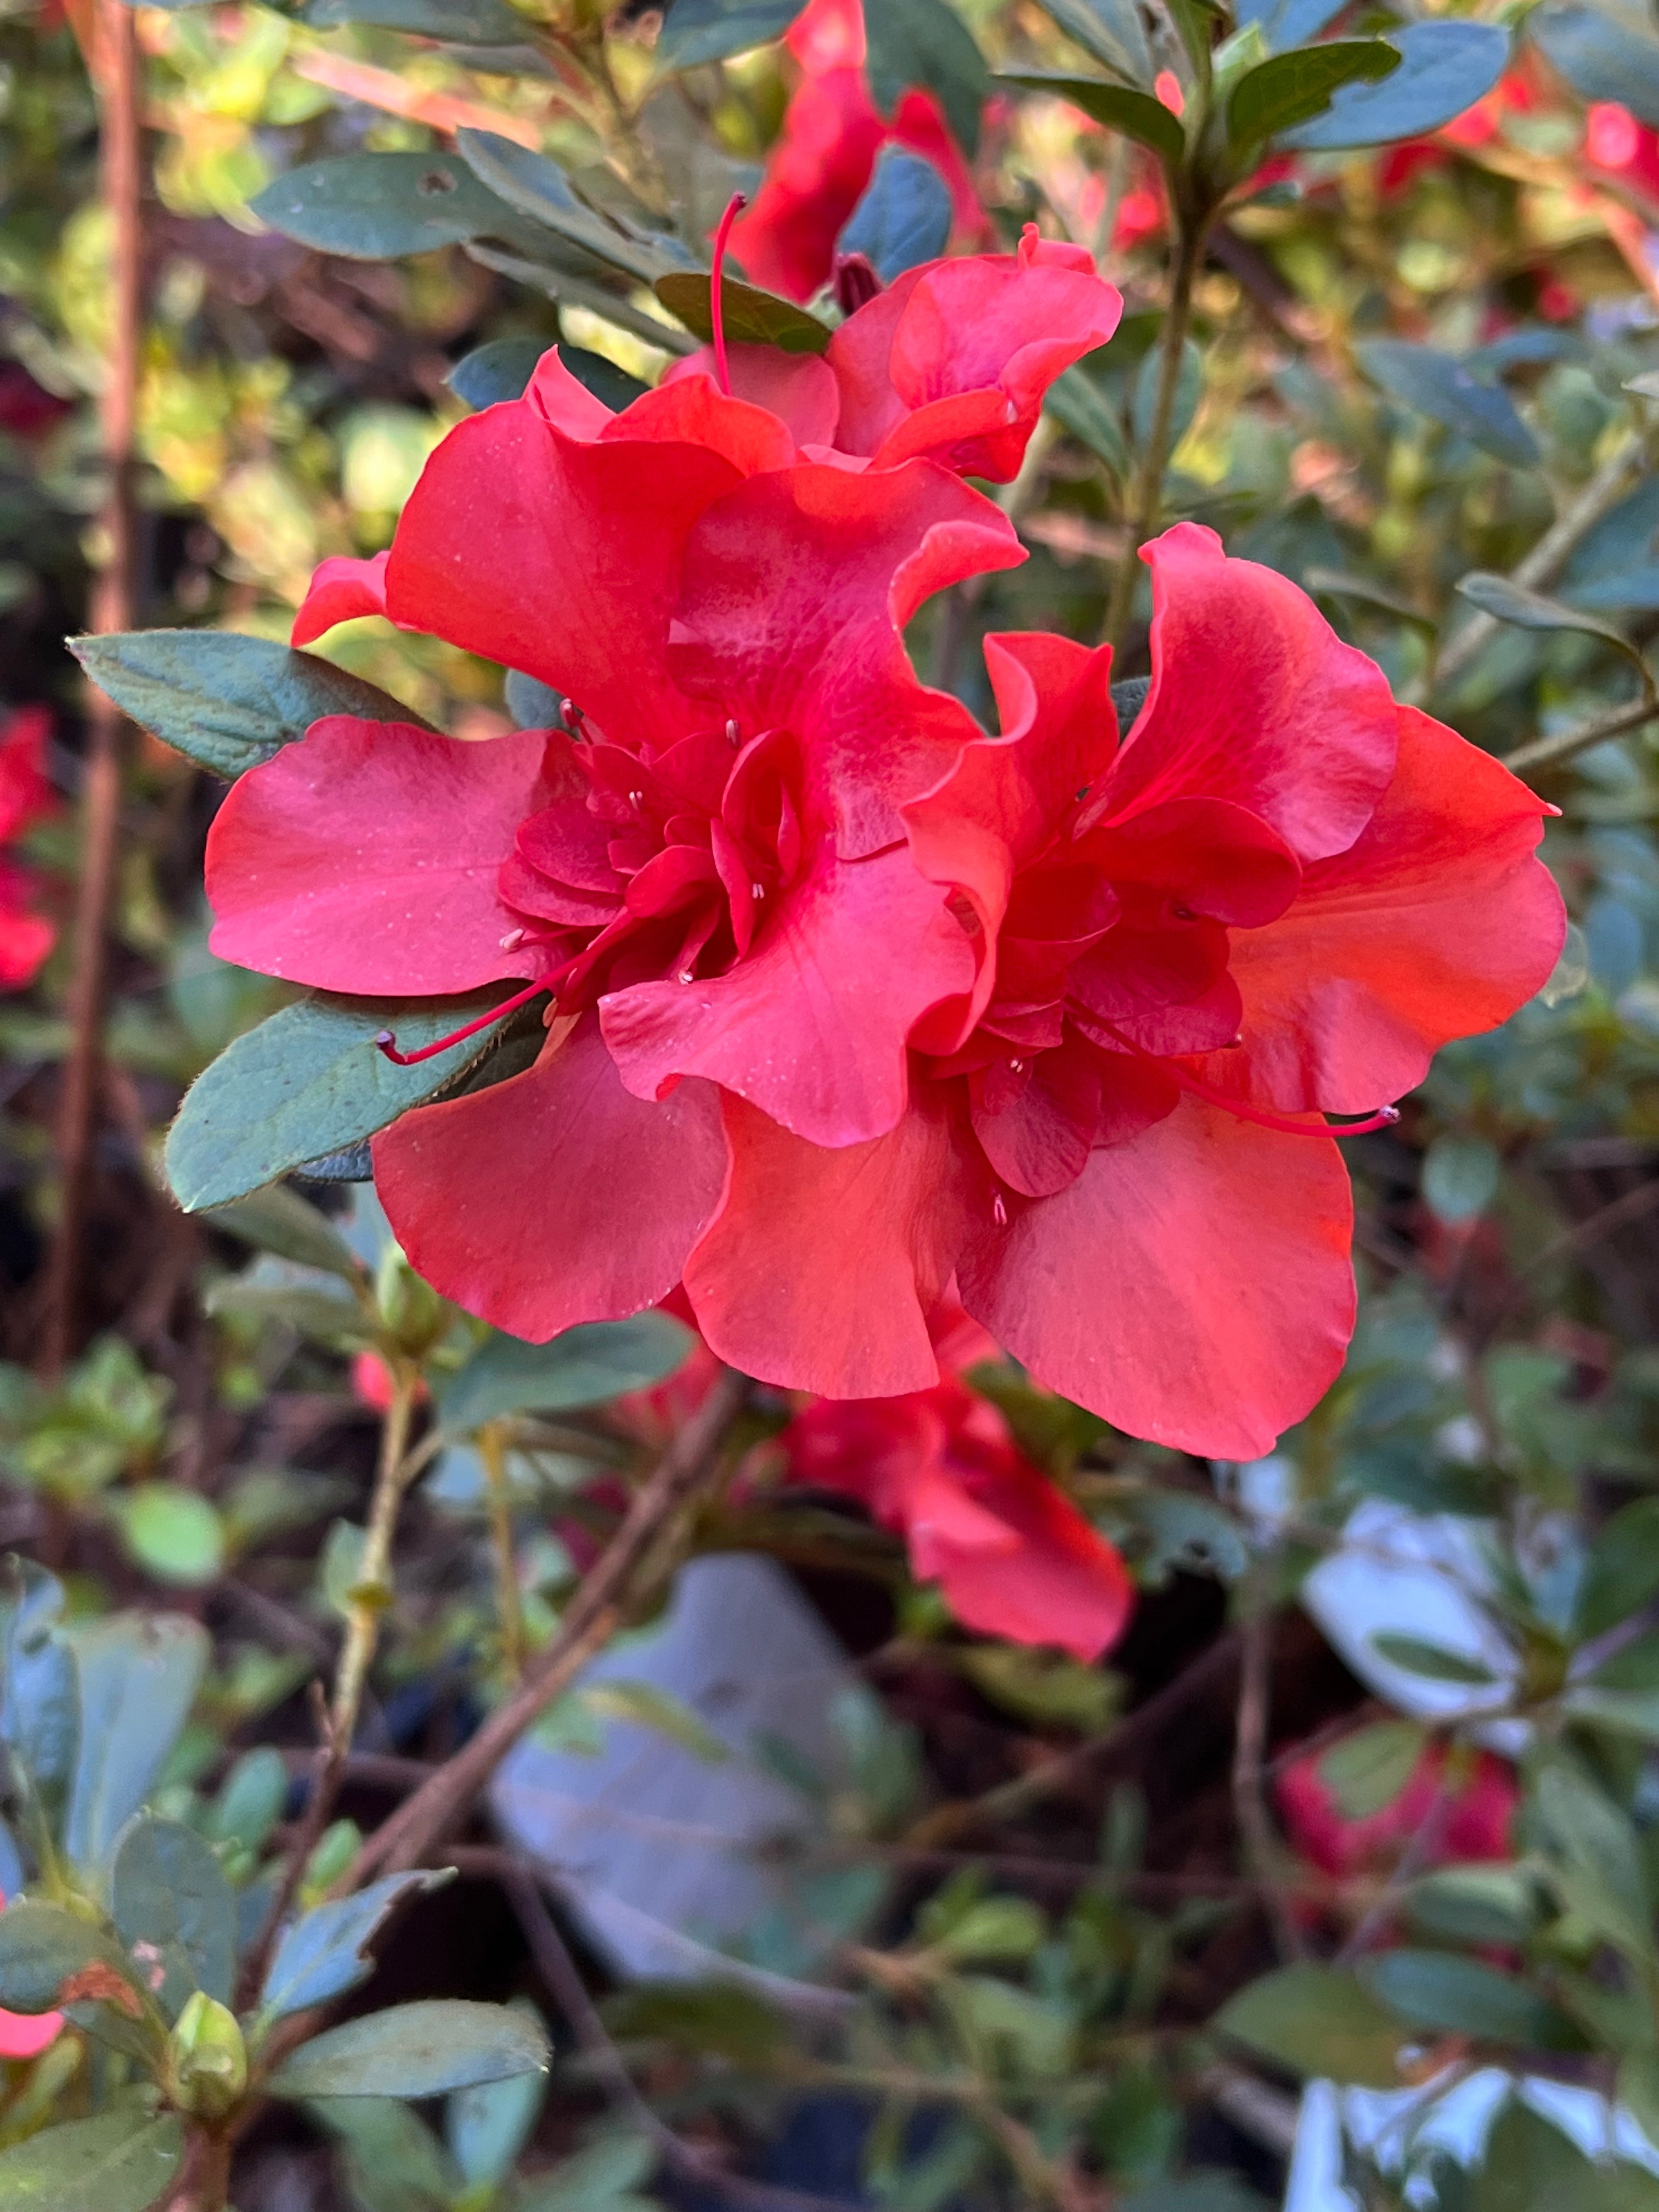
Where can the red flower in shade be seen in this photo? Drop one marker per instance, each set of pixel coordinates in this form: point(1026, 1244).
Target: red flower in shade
point(708, 868)
point(826, 153)
point(1616, 141)
point(25, 2035)
point(1472, 1823)
point(25, 938)
point(1276, 898)
point(951, 362)
point(1011, 1555)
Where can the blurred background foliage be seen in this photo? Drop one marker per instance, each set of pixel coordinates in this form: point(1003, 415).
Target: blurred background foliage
point(1368, 1797)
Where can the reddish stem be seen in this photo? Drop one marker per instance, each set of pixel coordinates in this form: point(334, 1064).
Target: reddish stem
point(388, 1043)
point(734, 206)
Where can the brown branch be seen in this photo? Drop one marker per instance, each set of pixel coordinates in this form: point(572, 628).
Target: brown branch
point(1249, 1767)
point(1550, 752)
point(121, 164)
point(590, 1619)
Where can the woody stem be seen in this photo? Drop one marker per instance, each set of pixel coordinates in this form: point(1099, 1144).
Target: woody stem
point(492, 1450)
point(1146, 494)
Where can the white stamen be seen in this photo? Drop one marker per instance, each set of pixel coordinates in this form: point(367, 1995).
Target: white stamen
point(512, 940)
point(733, 734)
point(999, 1212)
point(1016, 1066)
point(757, 890)
point(685, 975)
point(637, 799)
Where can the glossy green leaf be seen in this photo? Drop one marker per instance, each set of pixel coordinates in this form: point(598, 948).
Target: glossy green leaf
point(532, 705)
point(584, 1366)
point(457, 22)
point(309, 1081)
point(1368, 1770)
point(172, 1532)
point(39, 1691)
point(605, 2177)
point(1460, 1176)
point(279, 1220)
point(1444, 1994)
point(1432, 1661)
point(1512, 603)
point(251, 1800)
point(1119, 107)
point(1075, 400)
point(1287, 23)
point(393, 2162)
point(1596, 1862)
point(1439, 385)
point(487, 2125)
point(43, 1946)
point(496, 372)
point(1189, 390)
point(1622, 1572)
point(696, 32)
point(377, 207)
point(324, 1953)
point(169, 1890)
point(413, 2051)
point(1444, 68)
point(1316, 2021)
point(322, 1316)
point(925, 42)
point(139, 1676)
point(904, 216)
point(1475, 1903)
point(1292, 87)
point(538, 190)
point(121, 2161)
point(1110, 30)
point(226, 702)
point(756, 318)
point(1603, 54)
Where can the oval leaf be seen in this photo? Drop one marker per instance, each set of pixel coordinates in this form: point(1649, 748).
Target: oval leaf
point(306, 1082)
point(377, 207)
point(1288, 88)
point(322, 1954)
point(226, 702)
point(756, 318)
point(174, 1532)
point(1137, 115)
point(1432, 1661)
point(1602, 55)
point(584, 1366)
point(538, 190)
point(1451, 1996)
point(1512, 603)
point(167, 1890)
point(1316, 2021)
point(412, 2051)
point(926, 43)
point(1287, 23)
point(138, 1681)
point(42, 1948)
point(121, 2161)
point(1442, 387)
point(1110, 30)
point(458, 22)
point(904, 216)
point(699, 31)
point(1444, 68)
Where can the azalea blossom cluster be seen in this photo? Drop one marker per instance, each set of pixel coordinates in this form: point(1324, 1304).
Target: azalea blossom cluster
point(852, 1007)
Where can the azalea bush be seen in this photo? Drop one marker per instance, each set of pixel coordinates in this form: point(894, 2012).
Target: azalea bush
point(855, 803)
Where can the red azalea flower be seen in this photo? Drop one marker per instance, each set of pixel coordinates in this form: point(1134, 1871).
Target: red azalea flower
point(26, 937)
point(1012, 1556)
point(826, 152)
point(1474, 1823)
point(1616, 141)
point(27, 2034)
point(27, 409)
point(1275, 899)
point(707, 867)
point(951, 362)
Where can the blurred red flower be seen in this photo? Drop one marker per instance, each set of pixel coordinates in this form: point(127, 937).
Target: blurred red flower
point(826, 153)
point(1012, 1556)
point(1473, 1822)
point(26, 937)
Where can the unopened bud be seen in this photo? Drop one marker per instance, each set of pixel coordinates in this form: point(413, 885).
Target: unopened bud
point(207, 2059)
point(411, 1312)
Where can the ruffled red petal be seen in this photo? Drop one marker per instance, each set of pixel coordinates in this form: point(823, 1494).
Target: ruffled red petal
point(342, 588)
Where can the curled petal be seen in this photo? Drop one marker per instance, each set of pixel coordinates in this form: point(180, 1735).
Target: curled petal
point(341, 590)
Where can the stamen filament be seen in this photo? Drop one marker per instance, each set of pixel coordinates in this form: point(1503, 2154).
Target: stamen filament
point(734, 206)
point(1384, 1118)
point(388, 1043)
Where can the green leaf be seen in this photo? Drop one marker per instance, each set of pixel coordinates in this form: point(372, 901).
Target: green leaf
point(1596, 1859)
point(174, 1532)
point(1475, 1903)
point(1622, 1572)
point(699, 31)
point(1291, 89)
point(458, 22)
point(251, 1800)
point(1638, 2090)
point(1075, 400)
point(322, 1316)
point(121, 2161)
point(1446, 1995)
point(1287, 23)
point(168, 1890)
point(538, 190)
point(280, 1221)
point(926, 43)
point(42, 1945)
point(393, 2162)
point(1189, 390)
point(497, 371)
point(724, 2019)
point(1432, 1661)
point(1439, 387)
point(1602, 55)
point(756, 318)
point(1316, 2021)
point(310, 1081)
point(641, 1704)
point(1528, 2165)
point(584, 1366)
point(1110, 30)
point(605, 2177)
point(489, 2124)
point(377, 207)
point(415, 2051)
point(226, 702)
point(1136, 115)
point(322, 1954)
point(1444, 68)
point(995, 1928)
point(138, 1681)
point(1511, 603)
point(40, 1690)
point(1368, 1769)
point(1460, 1177)
point(903, 218)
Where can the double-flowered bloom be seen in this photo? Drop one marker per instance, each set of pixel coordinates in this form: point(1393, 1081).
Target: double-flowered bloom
point(851, 1007)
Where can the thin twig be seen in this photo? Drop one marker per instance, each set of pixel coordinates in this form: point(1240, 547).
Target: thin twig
point(492, 1450)
point(591, 1618)
point(121, 169)
point(1249, 1766)
point(1550, 752)
point(1572, 1244)
point(1411, 1863)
